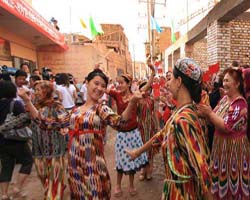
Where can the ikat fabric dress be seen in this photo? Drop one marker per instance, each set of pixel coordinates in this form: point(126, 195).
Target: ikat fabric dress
point(147, 123)
point(230, 156)
point(88, 174)
point(185, 153)
point(49, 148)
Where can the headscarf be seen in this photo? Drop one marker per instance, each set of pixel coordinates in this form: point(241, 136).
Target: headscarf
point(128, 77)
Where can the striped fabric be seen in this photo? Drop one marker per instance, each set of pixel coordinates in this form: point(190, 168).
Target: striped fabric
point(88, 173)
point(185, 155)
point(147, 121)
point(230, 156)
point(51, 172)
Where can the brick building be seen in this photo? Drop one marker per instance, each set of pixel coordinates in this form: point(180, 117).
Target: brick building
point(109, 49)
point(221, 37)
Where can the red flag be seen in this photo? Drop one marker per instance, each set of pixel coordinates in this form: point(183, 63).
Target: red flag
point(214, 68)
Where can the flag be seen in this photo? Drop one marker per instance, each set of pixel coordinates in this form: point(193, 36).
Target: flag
point(154, 25)
point(83, 23)
point(173, 38)
point(93, 28)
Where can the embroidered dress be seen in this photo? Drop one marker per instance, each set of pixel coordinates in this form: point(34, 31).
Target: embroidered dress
point(128, 137)
point(88, 173)
point(147, 121)
point(230, 156)
point(185, 155)
point(48, 146)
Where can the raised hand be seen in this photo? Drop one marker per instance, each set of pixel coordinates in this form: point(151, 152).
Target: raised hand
point(136, 96)
point(24, 94)
point(151, 66)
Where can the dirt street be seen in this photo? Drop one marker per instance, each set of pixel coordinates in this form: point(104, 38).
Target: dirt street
point(147, 190)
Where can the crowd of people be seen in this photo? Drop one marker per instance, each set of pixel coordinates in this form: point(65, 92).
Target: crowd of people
point(202, 130)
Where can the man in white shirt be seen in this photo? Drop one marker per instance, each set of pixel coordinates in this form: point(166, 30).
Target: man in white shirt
point(83, 92)
point(20, 82)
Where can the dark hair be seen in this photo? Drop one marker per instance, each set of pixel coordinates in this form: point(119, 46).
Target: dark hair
point(8, 89)
point(57, 79)
point(71, 77)
point(142, 84)
point(20, 73)
point(97, 72)
point(194, 87)
point(64, 79)
point(237, 76)
point(126, 79)
point(35, 77)
point(235, 63)
point(24, 63)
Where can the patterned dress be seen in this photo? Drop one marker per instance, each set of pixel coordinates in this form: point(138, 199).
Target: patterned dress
point(88, 173)
point(230, 157)
point(49, 148)
point(185, 155)
point(128, 137)
point(147, 121)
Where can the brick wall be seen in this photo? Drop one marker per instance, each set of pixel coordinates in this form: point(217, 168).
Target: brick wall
point(79, 60)
point(240, 41)
point(228, 42)
point(199, 53)
point(212, 30)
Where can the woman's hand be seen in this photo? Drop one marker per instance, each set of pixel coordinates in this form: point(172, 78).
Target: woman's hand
point(132, 153)
point(204, 110)
point(137, 95)
point(24, 94)
point(151, 66)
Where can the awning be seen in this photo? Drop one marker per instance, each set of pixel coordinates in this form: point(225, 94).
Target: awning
point(19, 17)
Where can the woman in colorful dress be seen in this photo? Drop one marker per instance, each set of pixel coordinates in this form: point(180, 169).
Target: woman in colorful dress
point(49, 124)
point(182, 138)
point(230, 154)
point(148, 125)
point(128, 136)
point(88, 173)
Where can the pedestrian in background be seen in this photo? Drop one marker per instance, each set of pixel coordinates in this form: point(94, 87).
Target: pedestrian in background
point(128, 136)
point(12, 151)
point(182, 139)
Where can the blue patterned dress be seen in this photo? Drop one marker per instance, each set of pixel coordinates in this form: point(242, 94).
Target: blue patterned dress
point(128, 137)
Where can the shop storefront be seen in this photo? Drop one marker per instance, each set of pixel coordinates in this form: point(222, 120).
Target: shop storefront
point(23, 32)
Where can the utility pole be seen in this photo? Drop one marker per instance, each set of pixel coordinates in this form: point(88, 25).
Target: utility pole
point(149, 26)
point(151, 12)
point(134, 60)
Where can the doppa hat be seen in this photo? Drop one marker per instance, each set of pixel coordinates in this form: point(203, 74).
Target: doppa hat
point(189, 68)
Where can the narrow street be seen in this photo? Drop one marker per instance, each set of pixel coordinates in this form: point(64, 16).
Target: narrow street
point(147, 190)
